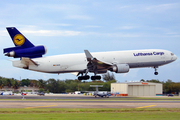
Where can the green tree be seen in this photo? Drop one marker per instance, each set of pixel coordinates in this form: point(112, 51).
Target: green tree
point(84, 86)
point(41, 90)
point(16, 84)
point(108, 77)
point(55, 86)
point(34, 83)
point(176, 87)
point(71, 85)
point(1, 84)
point(25, 82)
point(169, 81)
point(168, 86)
point(153, 80)
point(8, 83)
point(41, 83)
point(61, 86)
point(142, 80)
point(52, 86)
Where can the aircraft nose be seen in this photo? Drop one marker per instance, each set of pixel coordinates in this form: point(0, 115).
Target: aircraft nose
point(175, 57)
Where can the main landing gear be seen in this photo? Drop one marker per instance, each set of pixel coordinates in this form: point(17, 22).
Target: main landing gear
point(155, 73)
point(95, 77)
point(86, 77)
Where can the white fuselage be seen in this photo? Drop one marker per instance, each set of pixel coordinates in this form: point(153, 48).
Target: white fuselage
point(78, 62)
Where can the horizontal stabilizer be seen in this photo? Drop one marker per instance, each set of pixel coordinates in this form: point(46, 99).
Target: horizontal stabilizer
point(24, 63)
point(28, 61)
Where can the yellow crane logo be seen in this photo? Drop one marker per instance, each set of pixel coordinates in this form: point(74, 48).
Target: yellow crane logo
point(19, 39)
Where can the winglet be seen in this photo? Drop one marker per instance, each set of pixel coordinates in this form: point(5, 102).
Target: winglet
point(88, 55)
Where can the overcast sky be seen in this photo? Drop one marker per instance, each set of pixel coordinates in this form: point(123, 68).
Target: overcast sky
point(97, 25)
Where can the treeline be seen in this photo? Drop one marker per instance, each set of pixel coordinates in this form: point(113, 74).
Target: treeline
point(56, 86)
point(64, 86)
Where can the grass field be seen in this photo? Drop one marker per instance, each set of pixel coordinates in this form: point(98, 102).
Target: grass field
point(90, 114)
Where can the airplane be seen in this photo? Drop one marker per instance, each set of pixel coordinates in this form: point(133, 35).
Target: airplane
point(100, 93)
point(80, 64)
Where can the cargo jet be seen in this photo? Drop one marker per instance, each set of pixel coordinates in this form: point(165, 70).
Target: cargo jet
point(83, 63)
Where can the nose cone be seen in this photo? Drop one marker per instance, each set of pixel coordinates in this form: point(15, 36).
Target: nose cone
point(175, 57)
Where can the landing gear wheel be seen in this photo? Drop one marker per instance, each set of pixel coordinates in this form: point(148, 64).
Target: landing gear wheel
point(83, 77)
point(80, 78)
point(155, 73)
point(95, 77)
point(86, 77)
point(98, 77)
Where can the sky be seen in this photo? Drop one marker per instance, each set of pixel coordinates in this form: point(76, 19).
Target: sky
point(72, 26)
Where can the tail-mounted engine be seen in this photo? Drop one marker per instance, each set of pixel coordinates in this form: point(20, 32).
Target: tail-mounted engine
point(31, 52)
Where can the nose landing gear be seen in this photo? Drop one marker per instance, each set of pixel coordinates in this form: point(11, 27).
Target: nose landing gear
point(155, 73)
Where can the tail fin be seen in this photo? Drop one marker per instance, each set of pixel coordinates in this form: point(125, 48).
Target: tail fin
point(18, 38)
point(23, 47)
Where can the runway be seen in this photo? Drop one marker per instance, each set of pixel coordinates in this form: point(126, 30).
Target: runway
point(75, 97)
point(50, 97)
point(83, 102)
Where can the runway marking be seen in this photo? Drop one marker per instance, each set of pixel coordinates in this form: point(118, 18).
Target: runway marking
point(147, 106)
point(40, 106)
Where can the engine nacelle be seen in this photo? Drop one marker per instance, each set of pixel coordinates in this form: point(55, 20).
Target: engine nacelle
point(120, 68)
point(31, 52)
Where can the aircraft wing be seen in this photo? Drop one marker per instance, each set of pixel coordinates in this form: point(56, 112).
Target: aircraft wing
point(75, 73)
point(96, 65)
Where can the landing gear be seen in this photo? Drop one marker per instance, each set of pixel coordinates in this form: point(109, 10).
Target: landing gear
point(155, 73)
point(95, 77)
point(86, 77)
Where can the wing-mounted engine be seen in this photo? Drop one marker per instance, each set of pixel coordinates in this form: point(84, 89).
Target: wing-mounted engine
point(31, 52)
point(120, 68)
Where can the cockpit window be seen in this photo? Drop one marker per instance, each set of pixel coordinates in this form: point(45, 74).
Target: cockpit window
point(172, 54)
